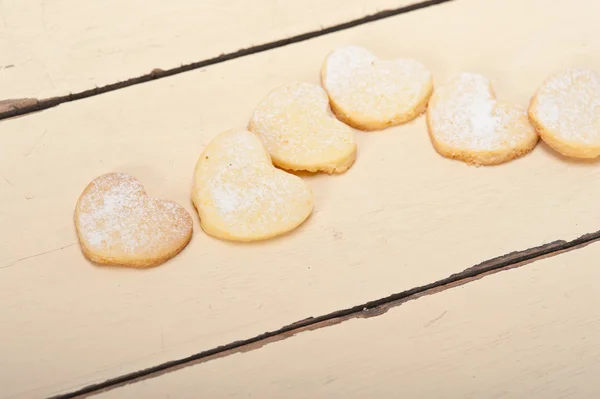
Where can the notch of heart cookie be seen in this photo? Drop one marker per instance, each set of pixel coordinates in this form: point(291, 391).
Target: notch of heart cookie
point(467, 123)
point(301, 133)
point(241, 196)
point(371, 94)
point(118, 224)
point(565, 111)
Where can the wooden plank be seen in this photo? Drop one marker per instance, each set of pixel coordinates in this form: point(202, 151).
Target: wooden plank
point(401, 217)
point(530, 332)
point(53, 48)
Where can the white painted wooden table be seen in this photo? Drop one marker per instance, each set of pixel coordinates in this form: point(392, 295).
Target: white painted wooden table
point(53, 48)
point(529, 332)
point(402, 217)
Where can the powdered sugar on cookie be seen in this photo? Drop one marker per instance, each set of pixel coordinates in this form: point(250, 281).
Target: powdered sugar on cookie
point(466, 122)
point(246, 199)
point(464, 113)
point(300, 132)
point(117, 221)
point(568, 105)
point(369, 93)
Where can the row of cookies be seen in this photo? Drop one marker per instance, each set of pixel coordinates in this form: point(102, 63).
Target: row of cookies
point(466, 122)
point(242, 190)
point(464, 119)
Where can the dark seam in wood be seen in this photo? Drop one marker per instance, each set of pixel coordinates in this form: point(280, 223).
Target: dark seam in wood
point(366, 310)
point(8, 106)
point(38, 105)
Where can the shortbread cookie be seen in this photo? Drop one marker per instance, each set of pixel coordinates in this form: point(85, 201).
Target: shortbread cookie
point(467, 123)
point(565, 111)
point(240, 196)
point(300, 132)
point(119, 224)
point(372, 94)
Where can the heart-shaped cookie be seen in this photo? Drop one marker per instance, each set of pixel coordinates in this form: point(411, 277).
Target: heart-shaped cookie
point(119, 224)
point(300, 132)
point(372, 94)
point(241, 196)
point(467, 123)
point(565, 112)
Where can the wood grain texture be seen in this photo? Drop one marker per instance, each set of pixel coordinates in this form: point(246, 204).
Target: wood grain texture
point(401, 217)
point(53, 48)
point(529, 332)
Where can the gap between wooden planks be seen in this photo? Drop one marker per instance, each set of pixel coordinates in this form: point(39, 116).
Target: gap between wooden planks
point(366, 310)
point(525, 333)
point(401, 218)
point(66, 51)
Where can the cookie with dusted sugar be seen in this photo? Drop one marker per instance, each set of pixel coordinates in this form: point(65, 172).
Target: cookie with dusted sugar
point(119, 224)
point(241, 196)
point(300, 132)
point(371, 94)
point(565, 111)
point(467, 123)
